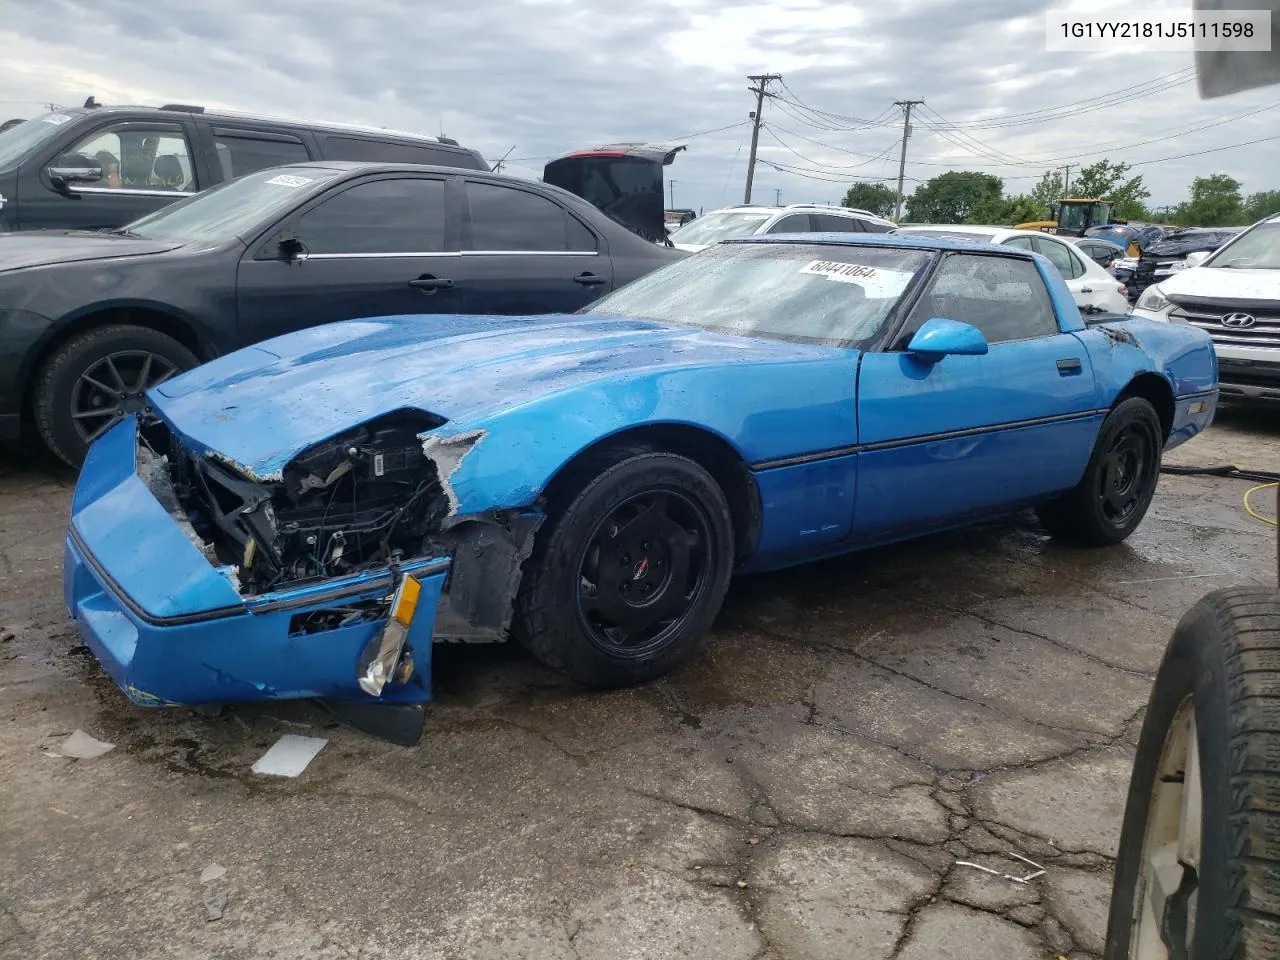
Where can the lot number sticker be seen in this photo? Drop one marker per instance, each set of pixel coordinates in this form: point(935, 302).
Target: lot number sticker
point(287, 180)
point(876, 281)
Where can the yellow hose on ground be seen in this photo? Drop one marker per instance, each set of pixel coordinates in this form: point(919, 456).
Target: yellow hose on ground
point(1249, 509)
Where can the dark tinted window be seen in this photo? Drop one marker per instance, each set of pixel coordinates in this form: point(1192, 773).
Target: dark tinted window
point(872, 227)
point(829, 223)
point(1004, 297)
point(504, 218)
point(241, 155)
point(796, 223)
point(391, 151)
point(381, 216)
point(1068, 263)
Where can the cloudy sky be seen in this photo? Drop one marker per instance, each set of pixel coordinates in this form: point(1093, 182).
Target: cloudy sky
point(535, 78)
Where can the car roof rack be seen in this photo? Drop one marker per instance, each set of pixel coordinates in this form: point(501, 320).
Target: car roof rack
point(182, 108)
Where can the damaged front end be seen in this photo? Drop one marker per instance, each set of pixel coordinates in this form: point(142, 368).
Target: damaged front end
point(353, 554)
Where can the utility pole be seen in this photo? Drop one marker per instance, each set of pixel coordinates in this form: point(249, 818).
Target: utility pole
point(497, 167)
point(906, 106)
point(671, 186)
point(762, 81)
point(777, 197)
point(1066, 179)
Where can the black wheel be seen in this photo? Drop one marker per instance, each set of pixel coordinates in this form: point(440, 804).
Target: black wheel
point(630, 569)
point(1198, 870)
point(97, 378)
point(1118, 484)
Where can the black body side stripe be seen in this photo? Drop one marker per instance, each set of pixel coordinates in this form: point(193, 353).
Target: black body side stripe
point(836, 452)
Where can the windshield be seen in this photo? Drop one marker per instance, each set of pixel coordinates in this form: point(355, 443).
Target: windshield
point(807, 293)
point(1257, 249)
point(1073, 216)
point(17, 142)
point(232, 208)
point(973, 236)
point(715, 227)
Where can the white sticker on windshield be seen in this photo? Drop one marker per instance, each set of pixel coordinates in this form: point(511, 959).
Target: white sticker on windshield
point(57, 119)
point(288, 180)
point(878, 282)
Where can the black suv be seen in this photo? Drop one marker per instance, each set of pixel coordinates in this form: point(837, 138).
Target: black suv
point(94, 166)
point(89, 321)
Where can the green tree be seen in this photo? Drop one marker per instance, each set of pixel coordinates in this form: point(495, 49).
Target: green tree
point(1004, 211)
point(1261, 205)
point(1044, 195)
point(1109, 181)
point(1215, 202)
point(879, 198)
point(950, 197)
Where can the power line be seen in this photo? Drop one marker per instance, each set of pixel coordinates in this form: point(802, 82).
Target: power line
point(872, 158)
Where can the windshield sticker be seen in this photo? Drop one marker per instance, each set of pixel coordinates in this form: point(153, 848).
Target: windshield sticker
point(57, 119)
point(287, 180)
point(876, 281)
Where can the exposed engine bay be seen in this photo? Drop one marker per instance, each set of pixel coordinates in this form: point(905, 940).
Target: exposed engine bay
point(365, 498)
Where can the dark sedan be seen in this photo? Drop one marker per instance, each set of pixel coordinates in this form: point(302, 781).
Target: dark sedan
point(89, 321)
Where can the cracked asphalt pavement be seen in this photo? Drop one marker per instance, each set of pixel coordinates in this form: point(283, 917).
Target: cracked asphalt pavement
point(802, 790)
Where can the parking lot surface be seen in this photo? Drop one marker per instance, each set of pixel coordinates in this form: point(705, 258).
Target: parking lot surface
point(803, 789)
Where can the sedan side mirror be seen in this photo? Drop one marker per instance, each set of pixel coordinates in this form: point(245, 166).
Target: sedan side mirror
point(63, 177)
point(940, 337)
point(1197, 258)
point(290, 249)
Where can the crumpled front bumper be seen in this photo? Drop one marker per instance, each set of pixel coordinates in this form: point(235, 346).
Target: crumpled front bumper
point(170, 628)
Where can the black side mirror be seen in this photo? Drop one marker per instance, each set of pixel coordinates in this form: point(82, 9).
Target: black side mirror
point(291, 249)
point(63, 177)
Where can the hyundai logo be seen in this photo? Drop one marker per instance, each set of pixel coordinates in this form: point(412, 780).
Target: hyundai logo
point(1238, 320)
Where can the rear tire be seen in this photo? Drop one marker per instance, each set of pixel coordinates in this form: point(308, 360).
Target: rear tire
point(1218, 688)
point(630, 569)
point(1118, 484)
point(98, 377)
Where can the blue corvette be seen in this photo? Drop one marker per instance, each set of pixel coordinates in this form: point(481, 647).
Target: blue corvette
point(304, 517)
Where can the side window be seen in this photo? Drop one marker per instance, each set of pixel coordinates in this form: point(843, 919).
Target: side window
point(394, 151)
point(239, 154)
point(133, 158)
point(510, 220)
point(1063, 258)
point(381, 216)
point(1019, 243)
point(796, 223)
point(830, 223)
point(872, 227)
point(1004, 297)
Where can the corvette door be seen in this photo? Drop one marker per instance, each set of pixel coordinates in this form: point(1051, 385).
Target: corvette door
point(966, 435)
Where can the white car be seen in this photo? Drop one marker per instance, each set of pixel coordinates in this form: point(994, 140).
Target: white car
point(751, 221)
point(1234, 295)
point(1090, 284)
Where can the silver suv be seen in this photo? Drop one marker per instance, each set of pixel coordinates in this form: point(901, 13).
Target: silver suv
point(749, 220)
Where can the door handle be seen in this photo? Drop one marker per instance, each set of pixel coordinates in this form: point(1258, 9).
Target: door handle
point(589, 280)
point(1069, 367)
point(429, 284)
point(1086, 289)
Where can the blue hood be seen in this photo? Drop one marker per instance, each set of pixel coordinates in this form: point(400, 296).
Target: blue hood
point(261, 406)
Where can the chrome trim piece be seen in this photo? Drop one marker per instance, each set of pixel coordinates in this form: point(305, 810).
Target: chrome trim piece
point(375, 256)
point(134, 193)
point(445, 253)
point(531, 253)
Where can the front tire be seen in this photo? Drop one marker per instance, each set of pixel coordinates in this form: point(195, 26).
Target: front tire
point(99, 377)
point(1119, 481)
point(1198, 870)
point(629, 571)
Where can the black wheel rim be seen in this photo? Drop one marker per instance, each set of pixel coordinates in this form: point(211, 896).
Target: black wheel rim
point(1127, 473)
point(114, 387)
point(644, 572)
